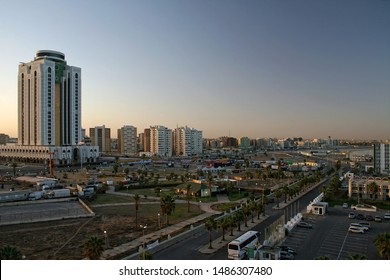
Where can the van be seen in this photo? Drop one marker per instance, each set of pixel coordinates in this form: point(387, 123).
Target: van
point(365, 228)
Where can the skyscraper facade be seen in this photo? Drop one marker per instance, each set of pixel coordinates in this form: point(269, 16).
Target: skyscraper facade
point(127, 140)
point(187, 141)
point(161, 141)
point(49, 113)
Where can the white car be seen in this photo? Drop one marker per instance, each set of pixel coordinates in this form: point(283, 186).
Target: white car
point(357, 225)
point(345, 205)
point(386, 216)
point(356, 229)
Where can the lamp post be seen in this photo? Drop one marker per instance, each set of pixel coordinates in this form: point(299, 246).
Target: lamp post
point(159, 220)
point(143, 240)
point(105, 239)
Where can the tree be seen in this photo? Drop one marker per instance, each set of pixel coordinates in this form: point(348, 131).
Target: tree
point(238, 216)
point(10, 253)
point(210, 224)
point(357, 257)
point(382, 243)
point(232, 223)
point(286, 192)
point(157, 191)
point(14, 165)
point(277, 195)
point(322, 258)
point(136, 200)
point(258, 209)
point(146, 255)
point(93, 248)
point(223, 224)
point(373, 187)
point(127, 171)
point(115, 168)
point(246, 211)
point(168, 205)
point(188, 196)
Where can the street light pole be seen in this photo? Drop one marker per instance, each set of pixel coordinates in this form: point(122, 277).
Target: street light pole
point(159, 220)
point(105, 239)
point(143, 240)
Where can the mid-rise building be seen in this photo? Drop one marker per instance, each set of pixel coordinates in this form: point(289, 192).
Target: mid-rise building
point(361, 188)
point(146, 140)
point(244, 143)
point(187, 141)
point(49, 113)
point(127, 140)
point(382, 158)
point(161, 141)
point(101, 137)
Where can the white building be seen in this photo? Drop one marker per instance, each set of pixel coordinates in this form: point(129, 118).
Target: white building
point(187, 141)
point(161, 141)
point(382, 158)
point(49, 113)
point(127, 140)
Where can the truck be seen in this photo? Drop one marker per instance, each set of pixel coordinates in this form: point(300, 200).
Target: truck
point(35, 195)
point(59, 193)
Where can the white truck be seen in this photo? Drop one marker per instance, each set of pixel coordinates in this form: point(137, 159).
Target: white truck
point(59, 193)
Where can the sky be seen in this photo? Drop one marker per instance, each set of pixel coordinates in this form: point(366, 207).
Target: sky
point(261, 68)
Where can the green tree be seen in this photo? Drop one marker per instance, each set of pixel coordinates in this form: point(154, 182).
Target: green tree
point(136, 204)
point(373, 188)
point(146, 255)
point(157, 191)
point(246, 212)
point(357, 257)
point(93, 248)
point(232, 223)
point(238, 216)
point(188, 196)
point(167, 204)
point(10, 253)
point(115, 168)
point(277, 194)
point(286, 193)
point(382, 243)
point(14, 165)
point(210, 224)
point(223, 224)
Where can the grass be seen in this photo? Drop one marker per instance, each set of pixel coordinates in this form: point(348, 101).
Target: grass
point(224, 206)
point(110, 198)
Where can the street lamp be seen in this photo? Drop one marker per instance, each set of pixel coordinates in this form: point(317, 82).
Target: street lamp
point(143, 240)
point(105, 239)
point(159, 220)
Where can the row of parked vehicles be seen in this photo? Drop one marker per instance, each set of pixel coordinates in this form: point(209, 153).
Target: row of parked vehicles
point(369, 217)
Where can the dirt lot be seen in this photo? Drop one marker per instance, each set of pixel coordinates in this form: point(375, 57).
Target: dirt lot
point(64, 239)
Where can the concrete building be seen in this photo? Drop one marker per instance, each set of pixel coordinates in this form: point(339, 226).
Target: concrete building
point(146, 140)
point(49, 113)
point(127, 140)
point(359, 188)
point(101, 137)
point(161, 141)
point(382, 158)
point(4, 139)
point(244, 143)
point(187, 141)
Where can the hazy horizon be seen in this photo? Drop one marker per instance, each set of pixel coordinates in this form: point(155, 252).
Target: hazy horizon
point(259, 69)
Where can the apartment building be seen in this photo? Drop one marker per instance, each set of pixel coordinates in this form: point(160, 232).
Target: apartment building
point(361, 188)
point(127, 140)
point(160, 141)
point(187, 141)
point(101, 136)
point(382, 158)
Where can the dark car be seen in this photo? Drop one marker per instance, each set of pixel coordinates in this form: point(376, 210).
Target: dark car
point(304, 225)
point(287, 249)
point(369, 218)
point(360, 216)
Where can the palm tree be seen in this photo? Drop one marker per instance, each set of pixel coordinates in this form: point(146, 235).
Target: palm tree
point(223, 224)
point(188, 196)
point(238, 216)
point(136, 200)
point(210, 224)
point(232, 223)
point(14, 165)
point(373, 187)
point(277, 195)
point(322, 258)
point(382, 243)
point(10, 253)
point(246, 211)
point(93, 248)
point(258, 209)
point(286, 192)
point(168, 205)
point(357, 257)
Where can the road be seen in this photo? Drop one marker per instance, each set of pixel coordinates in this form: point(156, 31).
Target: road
point(189, 249)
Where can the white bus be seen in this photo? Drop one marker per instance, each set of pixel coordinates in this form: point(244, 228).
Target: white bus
point(238, 248)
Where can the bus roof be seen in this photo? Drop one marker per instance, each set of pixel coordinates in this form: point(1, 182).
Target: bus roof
point(245, 236)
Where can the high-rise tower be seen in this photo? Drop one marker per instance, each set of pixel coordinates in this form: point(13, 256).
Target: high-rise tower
point(49, 101)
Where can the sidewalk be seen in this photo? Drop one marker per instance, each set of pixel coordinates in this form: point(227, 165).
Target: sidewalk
point(219, 243)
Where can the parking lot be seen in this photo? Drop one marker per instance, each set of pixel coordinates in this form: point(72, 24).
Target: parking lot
point(330, 236)
point(35, 211)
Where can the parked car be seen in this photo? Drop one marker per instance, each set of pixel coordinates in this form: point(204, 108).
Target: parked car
point(355, 229)
point(345, 205)
point(365, 224)
point(286, 255)
point(287, 249)
point(360, 216)
point(378, 219)
point(351, 215)
point(386, 216)
point(369, 218)
point(304, 225)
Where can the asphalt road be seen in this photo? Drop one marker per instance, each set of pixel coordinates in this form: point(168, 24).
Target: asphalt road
point(189, 249)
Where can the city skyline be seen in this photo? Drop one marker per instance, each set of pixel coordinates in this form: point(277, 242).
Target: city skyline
point(251, 68)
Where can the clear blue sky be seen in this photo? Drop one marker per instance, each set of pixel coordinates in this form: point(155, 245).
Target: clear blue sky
point(264, 68)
